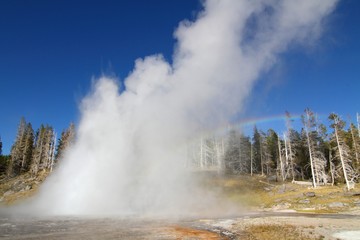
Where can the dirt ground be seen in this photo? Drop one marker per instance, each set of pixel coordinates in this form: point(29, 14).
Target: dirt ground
point(249, 226)
point(293, 226)
point(279, 211)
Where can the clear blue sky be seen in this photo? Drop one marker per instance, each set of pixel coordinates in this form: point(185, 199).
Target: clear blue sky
point(50, 50)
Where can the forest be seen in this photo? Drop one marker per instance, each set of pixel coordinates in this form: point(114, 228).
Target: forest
point(34, 151)
point(315, 154)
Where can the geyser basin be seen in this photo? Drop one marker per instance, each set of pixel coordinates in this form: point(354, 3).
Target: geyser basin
point(130, 154)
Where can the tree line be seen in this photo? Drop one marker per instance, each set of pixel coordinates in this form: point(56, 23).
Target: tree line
point(315, 153)
point(324, 156)
point(35, 151)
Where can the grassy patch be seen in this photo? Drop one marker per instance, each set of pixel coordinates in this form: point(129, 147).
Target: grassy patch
point(256, 191)
point(276, 232)
point(21, 187)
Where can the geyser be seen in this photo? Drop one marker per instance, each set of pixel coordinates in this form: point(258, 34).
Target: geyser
point(129, 157)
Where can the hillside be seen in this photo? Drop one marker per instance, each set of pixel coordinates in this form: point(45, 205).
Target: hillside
point(255, 193)
point(14, 190)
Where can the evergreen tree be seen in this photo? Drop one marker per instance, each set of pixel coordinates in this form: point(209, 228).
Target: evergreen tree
point(4, 163)
point(16, 160)
point(282, 168)
point(43, 154)
point(1, 146)
point(244, 154)
point(316, 156)
point(272, 150)
point(257, 151)
point(66, 140)
point(342, 151)
point(232, 152)
point(27, 146)
point(355, 144)
point(290, 150)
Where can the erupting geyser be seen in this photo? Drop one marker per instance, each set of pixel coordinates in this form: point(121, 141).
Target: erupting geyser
point(130, 153)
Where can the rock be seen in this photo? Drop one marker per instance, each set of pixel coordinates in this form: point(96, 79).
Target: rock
point(337, 205)
point(9, 192)
point(272, 178)
point(309, 194)
point(352, 194)
point(304, 201)
point(282, 189)
point(281, 206)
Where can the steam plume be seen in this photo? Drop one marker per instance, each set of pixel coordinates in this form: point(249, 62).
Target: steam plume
point(131, 148)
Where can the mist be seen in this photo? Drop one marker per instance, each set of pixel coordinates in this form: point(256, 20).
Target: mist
point(130, 153)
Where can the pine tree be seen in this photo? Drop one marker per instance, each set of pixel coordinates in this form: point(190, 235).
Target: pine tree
point(232, 152)
point(258, 151)
point(245, 154)
point(290, 150)
point(316, 157)
point(27, 148)
point(343, 151)
point(219, 149)
point(1, 146)
point(14, 167)
point(271, 143)
point(265, 155)
point(282, 168)
point(355, 144)
point(43, 154)
point(66, 140)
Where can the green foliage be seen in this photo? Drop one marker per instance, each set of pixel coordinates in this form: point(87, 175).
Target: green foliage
point(44, 150)
point(4, 163)
point(271, 143)
point(17, 150)
point(0, 146)
point(257, 151)
point(67, 138)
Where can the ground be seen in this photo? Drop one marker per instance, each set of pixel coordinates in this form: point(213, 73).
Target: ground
point(249, 227)
point(275, 210)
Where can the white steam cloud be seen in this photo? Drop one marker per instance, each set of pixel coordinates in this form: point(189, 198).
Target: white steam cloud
point(131, 148)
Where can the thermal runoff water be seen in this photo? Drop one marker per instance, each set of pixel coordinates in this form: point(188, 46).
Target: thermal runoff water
point(130, 152)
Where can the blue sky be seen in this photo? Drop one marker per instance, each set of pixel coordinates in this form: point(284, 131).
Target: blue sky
point(50, 51)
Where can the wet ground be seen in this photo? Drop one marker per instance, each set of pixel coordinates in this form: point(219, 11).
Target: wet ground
point(100, 228)
point(326, 226)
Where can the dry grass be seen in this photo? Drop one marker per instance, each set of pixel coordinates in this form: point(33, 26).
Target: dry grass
point(253, 192)
point(16, 187)
point(276, 232)
point(244, 190)
point(256, 192)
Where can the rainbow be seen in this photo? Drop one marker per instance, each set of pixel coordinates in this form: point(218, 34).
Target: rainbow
point(275, 122)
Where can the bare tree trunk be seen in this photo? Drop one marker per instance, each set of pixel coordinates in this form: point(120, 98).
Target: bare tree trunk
point(291, 160)
point(354, 144)
point(288, 157)
point(332, 170)
point(240, 159)
point(219, 154)
point(53, 153)
point(261, 157)
point(201, 153)
point(251, 159)
point(288, 136)
point(281, 162)
point(341, 156)
point(310, 152)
